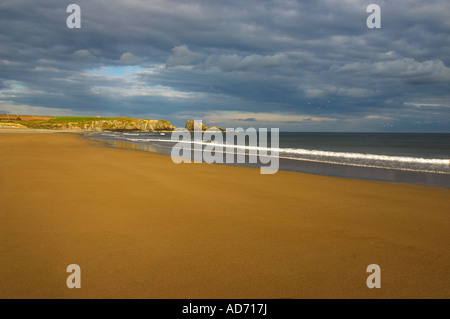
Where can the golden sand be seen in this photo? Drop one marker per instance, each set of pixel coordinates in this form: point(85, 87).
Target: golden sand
point(140, 226)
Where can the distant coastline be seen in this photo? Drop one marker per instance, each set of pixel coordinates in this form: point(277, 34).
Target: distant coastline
point(396, 157)
point(85, 124)
point(93, 124)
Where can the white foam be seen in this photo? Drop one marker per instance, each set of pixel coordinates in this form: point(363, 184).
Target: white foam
point(323, 155)
point(329, 154)
point(149, 140)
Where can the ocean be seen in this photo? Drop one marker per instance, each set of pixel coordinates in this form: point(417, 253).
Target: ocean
point(418, 158)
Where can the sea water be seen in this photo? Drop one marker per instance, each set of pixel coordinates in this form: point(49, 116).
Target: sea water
point(421, 158)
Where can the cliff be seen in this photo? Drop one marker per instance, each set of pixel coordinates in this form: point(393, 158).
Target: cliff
point(126, 124)
point(96, 124)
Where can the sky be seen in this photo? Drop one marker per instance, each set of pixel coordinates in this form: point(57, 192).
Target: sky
point(296, 65)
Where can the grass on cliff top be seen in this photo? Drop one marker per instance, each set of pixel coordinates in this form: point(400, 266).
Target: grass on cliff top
point(50, 123)
point(67, 119)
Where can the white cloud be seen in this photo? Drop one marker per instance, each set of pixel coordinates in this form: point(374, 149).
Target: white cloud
point(227, 62)
point(129, 58)
point(430, 105)
point(325, 90)
point(16, 88)
point(9, 63)
point(15, 108)
point(430, 70)
point(378, 117)
point(83, 55)
point(182, 56)
point(234, 62)
point(224, 116)
point(136, 90)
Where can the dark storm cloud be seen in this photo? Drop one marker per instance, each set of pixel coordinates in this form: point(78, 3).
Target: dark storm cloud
point(299, 65)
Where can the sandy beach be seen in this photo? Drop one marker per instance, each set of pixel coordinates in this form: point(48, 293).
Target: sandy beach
point(140, 226)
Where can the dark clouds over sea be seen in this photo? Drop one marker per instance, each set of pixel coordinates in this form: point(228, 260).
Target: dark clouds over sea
point(297, 65)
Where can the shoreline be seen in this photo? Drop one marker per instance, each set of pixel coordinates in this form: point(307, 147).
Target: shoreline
point(10, 130)
point(320, 168)
point(141, 226)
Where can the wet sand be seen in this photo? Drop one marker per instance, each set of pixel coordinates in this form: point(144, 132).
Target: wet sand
point(140, 226)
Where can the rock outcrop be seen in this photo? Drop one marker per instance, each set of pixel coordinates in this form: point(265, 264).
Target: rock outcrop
point(190, 127)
